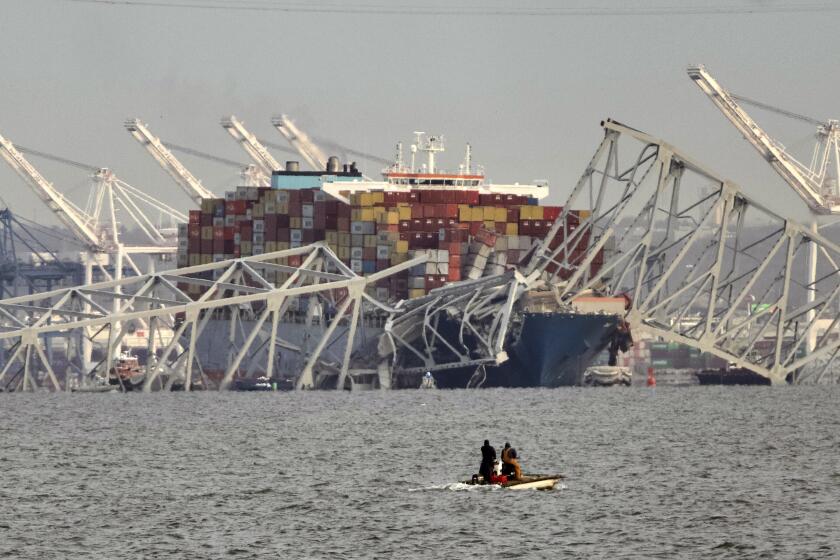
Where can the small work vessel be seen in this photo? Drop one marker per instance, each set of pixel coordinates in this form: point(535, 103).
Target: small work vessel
point(528, 482)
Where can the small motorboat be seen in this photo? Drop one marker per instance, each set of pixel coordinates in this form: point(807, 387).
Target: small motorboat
point(528, 482)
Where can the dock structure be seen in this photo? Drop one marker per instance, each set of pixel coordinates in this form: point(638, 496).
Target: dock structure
point(230, 290)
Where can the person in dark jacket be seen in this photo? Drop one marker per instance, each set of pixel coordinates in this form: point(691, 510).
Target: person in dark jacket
point(488, 457)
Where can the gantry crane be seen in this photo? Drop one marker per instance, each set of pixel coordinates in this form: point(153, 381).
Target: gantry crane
point(811, 181)
point(252, 146)
point(192, 186)
point(307, 149)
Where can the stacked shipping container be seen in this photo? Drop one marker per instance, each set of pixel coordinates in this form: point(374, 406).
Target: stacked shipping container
point(465, 234)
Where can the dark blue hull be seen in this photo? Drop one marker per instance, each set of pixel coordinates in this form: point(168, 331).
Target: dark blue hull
point(551, 350)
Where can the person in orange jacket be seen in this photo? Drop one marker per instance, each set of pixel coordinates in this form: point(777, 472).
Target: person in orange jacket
point(511, 461)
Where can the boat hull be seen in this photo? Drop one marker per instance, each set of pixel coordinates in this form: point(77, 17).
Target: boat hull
point(528, 482)
point(552, 350)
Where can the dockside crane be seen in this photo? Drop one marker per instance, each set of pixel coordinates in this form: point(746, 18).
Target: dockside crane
point(252, 146)
point(192, 186)
point(307, 149)
point(811, 181)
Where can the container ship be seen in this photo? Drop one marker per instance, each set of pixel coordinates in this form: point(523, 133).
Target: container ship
point(468, 228)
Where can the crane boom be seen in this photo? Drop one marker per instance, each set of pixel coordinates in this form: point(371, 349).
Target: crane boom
point(252, 146)
point(301, 142)
point(65, 210)
point(806, 182)
point(192, 186)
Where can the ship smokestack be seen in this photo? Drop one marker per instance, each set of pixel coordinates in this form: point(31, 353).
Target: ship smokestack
point(292, 166)
point(332, 164)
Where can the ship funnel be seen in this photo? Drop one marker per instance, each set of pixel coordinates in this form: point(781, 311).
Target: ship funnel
point(332, 165)
point(292, 166)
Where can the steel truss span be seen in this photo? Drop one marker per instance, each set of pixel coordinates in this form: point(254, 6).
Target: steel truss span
point(704, 264)
point(233, 291)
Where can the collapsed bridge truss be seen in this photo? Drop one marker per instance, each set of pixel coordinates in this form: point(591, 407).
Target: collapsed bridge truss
point(235, 291)
point(704, 264)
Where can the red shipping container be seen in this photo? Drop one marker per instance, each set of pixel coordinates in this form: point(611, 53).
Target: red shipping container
point(404, 225)
point(551, 213)
point(414, 196)
point(344, 210)
point(513, 215)
point(282, 221)
point(405, 236)
point(431, 282)
point(417, 211)
point(382, 264)
point(194, 246)
point(283, 234)
point(525, 228)
point(295, 209)
point(195, 217)
point(270, 222)
point(416, 224)
point(306, 196)
point(369, 253)
point(308, 236)
point(206, 220)
point(331, 207)
point(218, 245)
point(474, 227)
point(319, 234)
point(344, 224)
point(271, 234)
point(331, 221)
point(218, 232)
point(194, 231)
point(235, 207)
point(207, 246)
point(454, 274)
point(294, 260)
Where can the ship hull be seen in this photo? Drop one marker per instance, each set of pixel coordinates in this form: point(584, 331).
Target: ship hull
point(552, 350)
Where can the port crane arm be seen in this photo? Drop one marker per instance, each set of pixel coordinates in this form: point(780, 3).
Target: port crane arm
point(252, 146)
point(307, 149)
point(808, 183)
point(192, 186)
point(69, 215)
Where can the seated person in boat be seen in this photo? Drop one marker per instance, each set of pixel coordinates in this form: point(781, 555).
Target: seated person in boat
point(510, 462)
point(488, 457)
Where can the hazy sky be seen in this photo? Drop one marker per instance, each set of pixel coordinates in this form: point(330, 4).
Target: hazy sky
point(528, 91)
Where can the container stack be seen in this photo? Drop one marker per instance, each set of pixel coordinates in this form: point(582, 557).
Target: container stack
point(464, 234)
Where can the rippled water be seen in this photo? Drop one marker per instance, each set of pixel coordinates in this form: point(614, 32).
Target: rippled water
point(700, 472)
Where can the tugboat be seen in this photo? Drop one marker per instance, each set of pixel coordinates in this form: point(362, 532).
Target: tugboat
point(126, 373)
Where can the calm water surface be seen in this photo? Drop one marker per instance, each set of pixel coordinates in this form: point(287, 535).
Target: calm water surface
point(701, 472)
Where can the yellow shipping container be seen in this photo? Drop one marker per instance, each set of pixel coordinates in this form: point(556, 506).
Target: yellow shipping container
point(367, 215)
point(282, 245)
point(258, 211)
point(195, 259)
point(511, 229)
point(488, 213)
point(356, 214)
point(270, 246)
point(584, 214)
point(283, 208)
point(344, 252)
point(392, 218)
point(378, 212)
point(207, 232)
point(344, 239)
point(378, 197)
point(464, 213)
point(295, 222)
point(206, 259)
point(489, 224)
point(398, 258)
point(365, 199)
point(332, 238)
point(500, 215)
point(477, 214)
point(416, 293)
point(401, 247)
point(537, 213)
point(404, 212)
point(370, 241)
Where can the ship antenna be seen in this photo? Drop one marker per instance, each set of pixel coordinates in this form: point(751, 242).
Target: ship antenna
point(399, 161)
point(468, 158)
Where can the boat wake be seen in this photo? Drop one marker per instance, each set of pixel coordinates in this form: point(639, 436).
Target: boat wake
point(456, 486)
